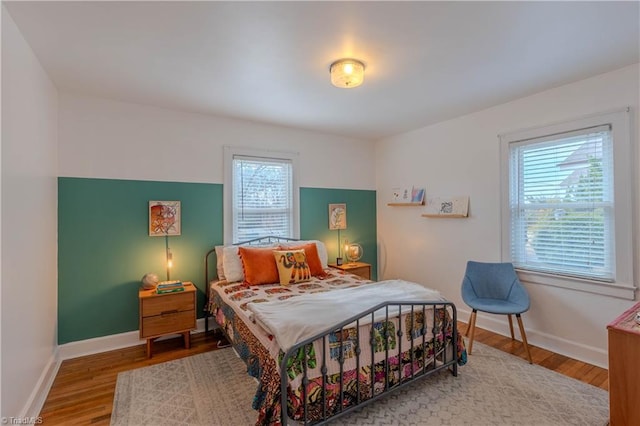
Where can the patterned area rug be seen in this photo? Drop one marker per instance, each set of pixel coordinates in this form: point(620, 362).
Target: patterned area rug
point(494, 388)
point(212, 388)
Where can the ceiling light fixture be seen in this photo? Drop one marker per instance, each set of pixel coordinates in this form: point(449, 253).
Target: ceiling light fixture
point(347, 73)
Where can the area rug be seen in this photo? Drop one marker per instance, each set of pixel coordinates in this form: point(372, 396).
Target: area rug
point(494, 388)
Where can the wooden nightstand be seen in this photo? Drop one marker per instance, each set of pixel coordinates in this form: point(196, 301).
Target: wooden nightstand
point(360, 269)
point(171, 313)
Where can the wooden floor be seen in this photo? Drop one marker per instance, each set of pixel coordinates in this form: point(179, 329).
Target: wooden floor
point(82, 393)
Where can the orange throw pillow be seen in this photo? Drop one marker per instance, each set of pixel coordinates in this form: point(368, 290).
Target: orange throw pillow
point(313, 259)
point(259, 265)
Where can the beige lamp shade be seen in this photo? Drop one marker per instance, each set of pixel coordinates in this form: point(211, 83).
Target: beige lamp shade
point(347, 73)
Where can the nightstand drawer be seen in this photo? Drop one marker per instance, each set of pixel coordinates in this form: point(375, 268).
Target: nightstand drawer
point(361, 269)
point(362, 272)
point(168, 323)
point(171, 313)
point(167, 303)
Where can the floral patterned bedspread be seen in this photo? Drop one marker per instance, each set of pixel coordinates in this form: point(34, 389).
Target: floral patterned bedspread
point(234, 297)
point(228, 304)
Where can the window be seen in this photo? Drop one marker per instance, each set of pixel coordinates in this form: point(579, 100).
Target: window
point(561, 202)
point(260, 194)
point(566, 204)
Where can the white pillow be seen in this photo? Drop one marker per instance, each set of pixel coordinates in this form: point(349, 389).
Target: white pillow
point(322, 249)
point(232, 264)
point(219, 262)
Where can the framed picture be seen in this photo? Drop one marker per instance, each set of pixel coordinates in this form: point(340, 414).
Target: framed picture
point(337, 216)
point(400, 195)
point(407, 195)
point(164, 218)
point(417, 195)
point(448, 206)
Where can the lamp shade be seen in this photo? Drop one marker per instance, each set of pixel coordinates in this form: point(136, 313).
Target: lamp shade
point(347, 73)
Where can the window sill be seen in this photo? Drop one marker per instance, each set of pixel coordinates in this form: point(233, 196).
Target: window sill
point(621, 291)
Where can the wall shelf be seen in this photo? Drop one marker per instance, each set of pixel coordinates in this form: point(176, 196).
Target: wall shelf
point(452, 216)
point(405, 204)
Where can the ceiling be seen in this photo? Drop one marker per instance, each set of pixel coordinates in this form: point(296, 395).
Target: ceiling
point(269, 61)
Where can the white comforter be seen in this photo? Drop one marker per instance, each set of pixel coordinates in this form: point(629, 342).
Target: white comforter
point(298, 318)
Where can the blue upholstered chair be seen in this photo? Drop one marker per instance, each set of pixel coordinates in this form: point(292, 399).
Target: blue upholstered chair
point(494, 288)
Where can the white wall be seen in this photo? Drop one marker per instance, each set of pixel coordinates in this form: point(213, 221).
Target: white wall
point(461, 157)
point(101, 138)
point(29, 225)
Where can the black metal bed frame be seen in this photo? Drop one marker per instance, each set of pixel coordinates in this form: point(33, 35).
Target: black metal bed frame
point(446, 358)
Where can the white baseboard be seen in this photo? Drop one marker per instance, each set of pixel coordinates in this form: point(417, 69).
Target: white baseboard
point(99, 344)
point(76, 349)
point(39, 395)
point(500, 325)
point(108, 343)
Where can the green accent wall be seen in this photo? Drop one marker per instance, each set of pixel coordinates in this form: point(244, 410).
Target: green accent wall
point(104, 247)
point(361, 221)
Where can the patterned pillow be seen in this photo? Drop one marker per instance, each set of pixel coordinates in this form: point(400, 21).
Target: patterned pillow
point(292, 266)
point(322, 249)
point(313, 259)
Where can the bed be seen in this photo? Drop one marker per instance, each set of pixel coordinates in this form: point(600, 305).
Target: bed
point(322, 344)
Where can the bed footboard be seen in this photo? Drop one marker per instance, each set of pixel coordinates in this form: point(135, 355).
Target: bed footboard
point(365, 357)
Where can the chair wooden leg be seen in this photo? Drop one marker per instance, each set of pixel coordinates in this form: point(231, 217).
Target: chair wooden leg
point(511, 326)
point(524, 338)
point(471, 328)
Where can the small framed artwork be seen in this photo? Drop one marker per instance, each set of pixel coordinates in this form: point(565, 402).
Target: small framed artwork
point(417, 195)
point(447, 207)
point(164, 218)
point(407, 195)
point(337, 216)
point(400, 195)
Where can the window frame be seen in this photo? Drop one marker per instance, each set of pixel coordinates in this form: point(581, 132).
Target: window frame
point(253, 153)
point(623, 285)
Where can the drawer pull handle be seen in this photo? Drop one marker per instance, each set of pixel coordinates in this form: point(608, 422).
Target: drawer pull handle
point(173, 311)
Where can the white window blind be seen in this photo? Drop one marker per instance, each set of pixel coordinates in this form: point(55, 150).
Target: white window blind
point(262, 199)
point(561, 204)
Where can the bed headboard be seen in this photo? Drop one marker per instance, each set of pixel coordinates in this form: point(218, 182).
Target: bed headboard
point(264, 241)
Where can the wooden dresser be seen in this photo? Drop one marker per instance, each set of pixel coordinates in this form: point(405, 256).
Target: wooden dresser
point(170, 313)
point(624, 369)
